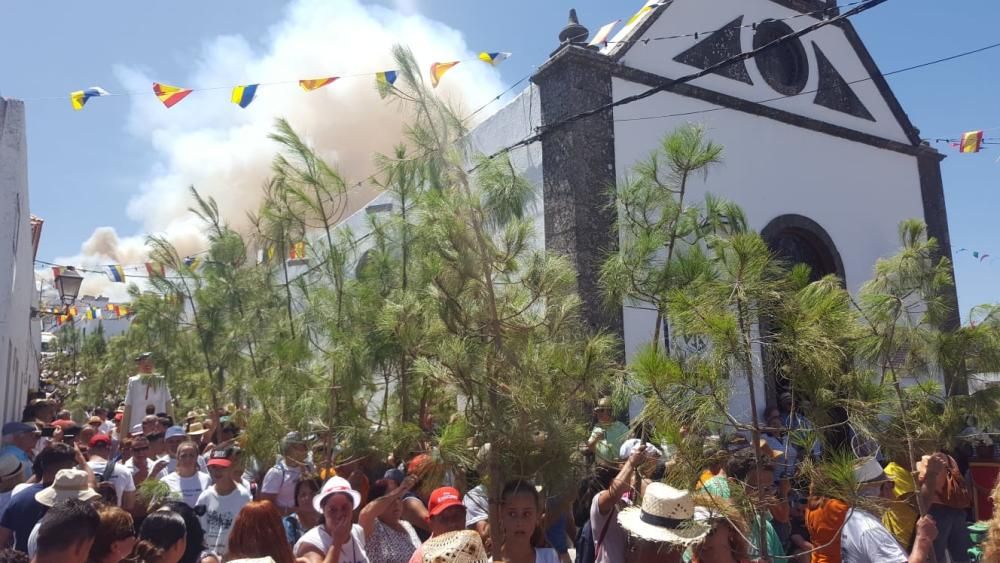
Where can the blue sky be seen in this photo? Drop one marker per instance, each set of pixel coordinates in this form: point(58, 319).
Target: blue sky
point(84, 167)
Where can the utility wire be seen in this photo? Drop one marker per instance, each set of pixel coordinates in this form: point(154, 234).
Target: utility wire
point(549, 128)
point(868, 78)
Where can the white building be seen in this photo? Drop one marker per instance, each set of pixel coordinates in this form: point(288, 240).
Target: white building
point(817, 150)
point(20, 339)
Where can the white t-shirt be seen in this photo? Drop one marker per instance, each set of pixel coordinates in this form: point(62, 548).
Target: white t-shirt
point(351, 552)
point(189, 488)
point(546, 555)
point(613, 548)
point(865, 540)
point(144, 390)
point(477, 506)
point(220, 512)
point(121, 477)
point(281, 480)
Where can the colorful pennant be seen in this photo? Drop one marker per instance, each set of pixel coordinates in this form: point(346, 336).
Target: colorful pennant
point(192, 262)
point(972, 141)
point(493, 58)
point(155, 269)
point(601, 38)
point(384, 81)
point(297, 251)
point(117, 273)
point(80, 97)
point(316, 83)
point(170, 95)
point(438, 70)
point(56, 271)
point(243, 95)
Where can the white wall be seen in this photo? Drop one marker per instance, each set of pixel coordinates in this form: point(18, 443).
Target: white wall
point(684, 16)
point(856, 192)
point(19, 344)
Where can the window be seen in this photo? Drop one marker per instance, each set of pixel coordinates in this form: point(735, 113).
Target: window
point(784, 67)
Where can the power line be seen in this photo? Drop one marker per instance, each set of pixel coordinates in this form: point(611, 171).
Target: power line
point(668, 84)
point(697, 34)
point(868, 78)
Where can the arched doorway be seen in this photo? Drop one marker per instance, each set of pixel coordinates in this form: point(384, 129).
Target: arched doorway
point(799, 240)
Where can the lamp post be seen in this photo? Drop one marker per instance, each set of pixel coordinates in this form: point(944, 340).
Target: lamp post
point(68, 285)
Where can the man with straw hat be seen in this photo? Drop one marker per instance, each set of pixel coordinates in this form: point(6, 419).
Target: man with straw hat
point(663, 527)
point(607, 436)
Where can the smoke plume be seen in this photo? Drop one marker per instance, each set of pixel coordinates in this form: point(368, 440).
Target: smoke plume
point(223, 150)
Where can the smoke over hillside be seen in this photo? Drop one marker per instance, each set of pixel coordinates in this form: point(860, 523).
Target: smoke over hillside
point(223, 150)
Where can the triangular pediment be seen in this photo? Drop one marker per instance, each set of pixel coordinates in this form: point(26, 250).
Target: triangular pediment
point(826, 75)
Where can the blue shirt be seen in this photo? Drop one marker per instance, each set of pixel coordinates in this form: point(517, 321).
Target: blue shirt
point(21, 456)
point(22, 514)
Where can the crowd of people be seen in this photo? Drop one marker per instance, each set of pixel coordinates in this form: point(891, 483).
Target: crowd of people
point(143, 487)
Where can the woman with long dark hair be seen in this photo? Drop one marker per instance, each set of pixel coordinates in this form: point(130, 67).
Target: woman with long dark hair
point(257, 532)
point(304, 517)
point(195, 551)
point(161, 538)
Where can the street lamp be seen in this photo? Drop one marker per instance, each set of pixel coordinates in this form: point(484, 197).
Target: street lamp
point(68, 284)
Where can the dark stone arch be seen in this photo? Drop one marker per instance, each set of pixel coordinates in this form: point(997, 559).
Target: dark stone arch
point(800, 240)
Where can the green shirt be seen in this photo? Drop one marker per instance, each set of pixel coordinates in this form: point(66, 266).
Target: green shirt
point(774, 546)
point(607, 448)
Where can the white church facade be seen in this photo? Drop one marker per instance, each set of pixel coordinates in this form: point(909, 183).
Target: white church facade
point(817, 149)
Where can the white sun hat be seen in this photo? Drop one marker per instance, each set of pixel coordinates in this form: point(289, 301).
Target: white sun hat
point(666, 516)
point(333, 486)
point(868, 470)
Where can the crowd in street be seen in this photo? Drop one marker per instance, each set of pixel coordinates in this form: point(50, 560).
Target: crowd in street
point(134, 483)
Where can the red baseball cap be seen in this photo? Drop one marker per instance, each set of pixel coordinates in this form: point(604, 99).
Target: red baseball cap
point(442, 499)
point(220, 458)
point(100, 439)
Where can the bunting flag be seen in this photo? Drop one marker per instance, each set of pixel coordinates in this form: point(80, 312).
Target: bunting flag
point(493, 58)
point(72, 311)
point(243, 95)
point(975, 254)
point(192, 262)
point(316, 83)
point(80, 97)
point(384, 81)
point(92, 314)
point(170, 95)
point(62, 319)
point(601, 38)
point(117, 273)
point(983, 257)
point(971, 142)
point(642, 12)
point(297, 251)
point(56, 271)
point(155, 269)
point(438, 70)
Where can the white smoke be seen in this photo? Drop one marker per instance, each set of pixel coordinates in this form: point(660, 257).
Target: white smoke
point(223, 150)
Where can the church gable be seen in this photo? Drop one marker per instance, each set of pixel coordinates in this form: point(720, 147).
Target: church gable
point(826, 75)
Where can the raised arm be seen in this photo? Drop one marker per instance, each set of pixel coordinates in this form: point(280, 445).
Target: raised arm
point(375, 508)
point(608, 497)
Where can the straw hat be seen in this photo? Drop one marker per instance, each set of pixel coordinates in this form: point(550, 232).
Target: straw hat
point(69, 484)
point(196, 429)
point(455, 547)
point(666, 516)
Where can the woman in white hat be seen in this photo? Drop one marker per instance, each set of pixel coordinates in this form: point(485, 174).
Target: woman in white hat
point(337, 539)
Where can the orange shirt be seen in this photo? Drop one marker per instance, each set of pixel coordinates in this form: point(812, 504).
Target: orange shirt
point(824, 524)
